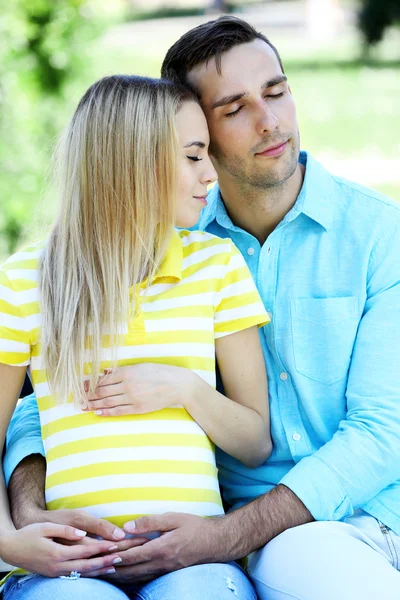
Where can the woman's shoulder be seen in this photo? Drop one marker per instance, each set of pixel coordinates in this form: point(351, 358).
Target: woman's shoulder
point(199, 239)
point(24, 264)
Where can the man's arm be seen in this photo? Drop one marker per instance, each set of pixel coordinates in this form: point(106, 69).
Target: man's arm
point(361, 459)
point(25, 471)
point(24, 436)
point(189, 540)
point(363, 456)
point(26, 490)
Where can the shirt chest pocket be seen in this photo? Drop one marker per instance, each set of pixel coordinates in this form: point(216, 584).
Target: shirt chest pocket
point(324, 331)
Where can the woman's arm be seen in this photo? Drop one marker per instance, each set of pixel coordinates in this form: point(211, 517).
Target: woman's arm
point(238, 422)
point(32, 547)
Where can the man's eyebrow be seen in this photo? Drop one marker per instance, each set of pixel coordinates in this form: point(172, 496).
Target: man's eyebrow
point(235, 97)
point(228, 100)
point(274, 81)
point(195, 143)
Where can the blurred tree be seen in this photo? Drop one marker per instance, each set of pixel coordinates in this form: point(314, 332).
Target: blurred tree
point(375, 16)
point(41, 44)
point(220, 5)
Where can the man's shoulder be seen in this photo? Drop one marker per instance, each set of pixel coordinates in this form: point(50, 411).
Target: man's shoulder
point(366, 198)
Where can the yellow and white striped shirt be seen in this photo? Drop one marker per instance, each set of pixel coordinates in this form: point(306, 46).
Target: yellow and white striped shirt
point(119, 468)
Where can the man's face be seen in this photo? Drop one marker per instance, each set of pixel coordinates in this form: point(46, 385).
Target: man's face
point(251, 115)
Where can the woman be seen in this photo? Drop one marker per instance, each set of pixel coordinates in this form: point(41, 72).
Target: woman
point(117, 285)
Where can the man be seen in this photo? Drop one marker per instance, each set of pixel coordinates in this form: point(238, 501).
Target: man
point(321, 518)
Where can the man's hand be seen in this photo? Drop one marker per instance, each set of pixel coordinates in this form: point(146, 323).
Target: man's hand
point(185, 540)
point(190, 540)
point(34, 549)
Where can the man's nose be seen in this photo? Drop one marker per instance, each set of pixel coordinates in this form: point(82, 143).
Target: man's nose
point(267, 121)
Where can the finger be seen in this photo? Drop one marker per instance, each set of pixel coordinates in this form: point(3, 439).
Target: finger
point(82, 520)
point(87, 541)
point(111, 377)
point(106, 391)
point(106, 402)
point(80, 551)
point(127, 544)
point(54, 530)
point(151, 551)
point(118, 411)
point(91, 564)
point(100, 572)
point(149, 523)
point(142, 572)
point(126, 574)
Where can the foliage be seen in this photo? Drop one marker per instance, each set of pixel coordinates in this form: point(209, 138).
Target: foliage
point(376, 16)
point(40, 50)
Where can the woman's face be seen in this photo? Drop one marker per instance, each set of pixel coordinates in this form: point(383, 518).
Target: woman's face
point(195, 170)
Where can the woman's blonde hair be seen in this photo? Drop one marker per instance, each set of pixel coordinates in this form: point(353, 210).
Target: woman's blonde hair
point(116, 171)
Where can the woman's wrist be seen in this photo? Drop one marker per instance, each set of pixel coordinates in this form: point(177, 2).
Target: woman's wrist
point(191, 390)
point(6, 544)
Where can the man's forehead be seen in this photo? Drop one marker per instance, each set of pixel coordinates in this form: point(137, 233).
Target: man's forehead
point(243, 64)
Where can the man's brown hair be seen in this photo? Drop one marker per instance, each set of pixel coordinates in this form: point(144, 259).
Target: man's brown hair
point(208, 41)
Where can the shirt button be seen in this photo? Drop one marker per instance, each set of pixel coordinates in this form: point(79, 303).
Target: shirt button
point(250, 251)
point(269, 249)
point(269, 313)
point(296, 436)
point(283, 376)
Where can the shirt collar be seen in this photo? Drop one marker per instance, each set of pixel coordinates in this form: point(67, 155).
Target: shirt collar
point(315, 199)
point(170, 268)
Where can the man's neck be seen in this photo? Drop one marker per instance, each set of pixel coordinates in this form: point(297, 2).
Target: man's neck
point(259, 210)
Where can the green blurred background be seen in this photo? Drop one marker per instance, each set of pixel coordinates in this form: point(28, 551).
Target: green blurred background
point(346, 84)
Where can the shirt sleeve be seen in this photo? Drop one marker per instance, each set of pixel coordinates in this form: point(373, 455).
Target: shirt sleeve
point(363, 456)
point(239, 303)
point(15, 339)
point(24, 436)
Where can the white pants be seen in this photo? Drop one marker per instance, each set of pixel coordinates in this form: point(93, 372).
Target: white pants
point(354, 559)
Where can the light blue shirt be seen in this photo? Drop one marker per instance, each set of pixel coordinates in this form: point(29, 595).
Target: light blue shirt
point(329, 275)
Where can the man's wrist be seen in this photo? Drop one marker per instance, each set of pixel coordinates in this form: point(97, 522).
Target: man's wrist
point(255, 524)
point(26, 491)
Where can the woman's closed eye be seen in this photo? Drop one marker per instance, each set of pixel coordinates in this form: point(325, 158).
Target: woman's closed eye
point(194, 158)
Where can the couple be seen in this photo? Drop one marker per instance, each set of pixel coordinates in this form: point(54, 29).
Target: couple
point(320, 519)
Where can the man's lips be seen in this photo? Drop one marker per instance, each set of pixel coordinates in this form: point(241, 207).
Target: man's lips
point(273, 150)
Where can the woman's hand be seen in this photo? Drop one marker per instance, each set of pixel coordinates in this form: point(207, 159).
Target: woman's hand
point(139, 389)
point(33, 548)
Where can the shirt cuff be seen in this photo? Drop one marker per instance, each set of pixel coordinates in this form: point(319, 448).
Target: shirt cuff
point(317, 486)
point(17, 452)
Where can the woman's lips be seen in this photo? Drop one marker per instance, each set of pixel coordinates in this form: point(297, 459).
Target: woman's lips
point(202, 199)
point(274, 151)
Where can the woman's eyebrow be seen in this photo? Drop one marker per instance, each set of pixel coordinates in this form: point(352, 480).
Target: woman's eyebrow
point(195, 143)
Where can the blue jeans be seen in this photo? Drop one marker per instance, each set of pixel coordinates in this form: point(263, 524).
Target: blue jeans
point(202, 582)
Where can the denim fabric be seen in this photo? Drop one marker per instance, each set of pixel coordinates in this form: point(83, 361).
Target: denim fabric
point(353, 559)
point(202, 582)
